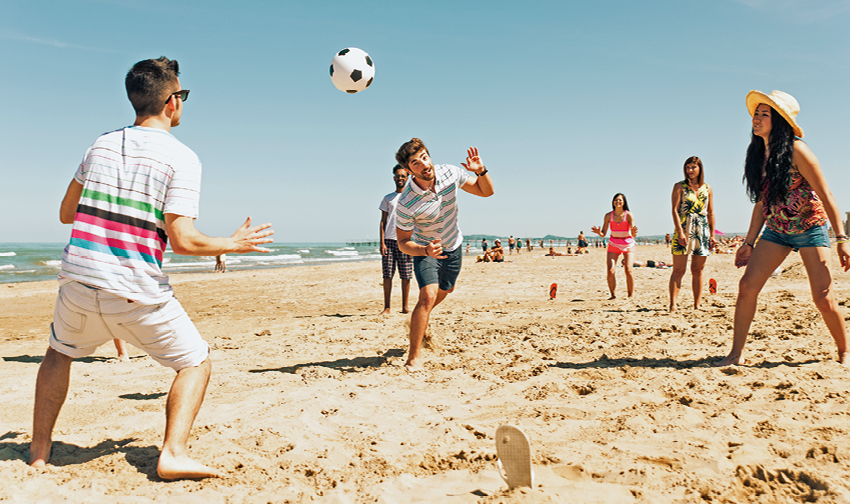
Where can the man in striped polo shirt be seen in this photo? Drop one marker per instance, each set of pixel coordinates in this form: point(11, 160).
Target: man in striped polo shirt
point(136, 188)
point(427, 229)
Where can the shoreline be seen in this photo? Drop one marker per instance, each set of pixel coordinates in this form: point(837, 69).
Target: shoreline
point(309, 400)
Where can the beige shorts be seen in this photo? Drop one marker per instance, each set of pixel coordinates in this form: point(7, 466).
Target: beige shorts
point(86, 318)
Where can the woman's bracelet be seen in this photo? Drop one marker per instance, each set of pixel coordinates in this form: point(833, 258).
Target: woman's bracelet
point(750, 244)
point(841, 239)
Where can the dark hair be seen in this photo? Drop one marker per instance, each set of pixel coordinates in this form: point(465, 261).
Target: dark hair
point(694, 160)
point(408, 149)
point(149, 84)
point(625, 201)
point(397, 168)
point(775, 172)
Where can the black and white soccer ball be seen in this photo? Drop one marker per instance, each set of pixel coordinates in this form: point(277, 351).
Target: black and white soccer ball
point(352, 70)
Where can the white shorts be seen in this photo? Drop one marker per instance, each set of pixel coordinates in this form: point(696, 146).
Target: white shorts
point(86, 318)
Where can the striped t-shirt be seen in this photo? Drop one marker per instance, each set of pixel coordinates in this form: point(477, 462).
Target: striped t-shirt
point(131, 177)
point(433, 214)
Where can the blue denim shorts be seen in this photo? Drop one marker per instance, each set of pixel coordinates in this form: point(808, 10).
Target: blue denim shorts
point(817, 236)
point(429, 270)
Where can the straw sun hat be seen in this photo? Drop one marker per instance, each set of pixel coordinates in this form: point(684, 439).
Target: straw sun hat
point(781, 102)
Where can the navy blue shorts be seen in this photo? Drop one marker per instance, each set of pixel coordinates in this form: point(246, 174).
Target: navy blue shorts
point(817, 236)
point(429, 270)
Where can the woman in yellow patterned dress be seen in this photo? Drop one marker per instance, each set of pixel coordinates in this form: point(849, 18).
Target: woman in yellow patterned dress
point(693, 220)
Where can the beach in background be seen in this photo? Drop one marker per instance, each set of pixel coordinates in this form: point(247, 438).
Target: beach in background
point(32, 262)
point(309, 400)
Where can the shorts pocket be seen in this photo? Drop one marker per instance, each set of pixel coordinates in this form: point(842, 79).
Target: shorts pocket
point(153, 330)
point(69, 317)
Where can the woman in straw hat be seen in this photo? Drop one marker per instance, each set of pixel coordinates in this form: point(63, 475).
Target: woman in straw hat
point(791, 196)
point(693, 219)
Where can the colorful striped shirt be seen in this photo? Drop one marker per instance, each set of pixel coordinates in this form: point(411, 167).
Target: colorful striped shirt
point(432, 214)
point(131, 177)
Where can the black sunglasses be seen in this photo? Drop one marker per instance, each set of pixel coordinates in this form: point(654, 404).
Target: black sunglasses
point(183, 94)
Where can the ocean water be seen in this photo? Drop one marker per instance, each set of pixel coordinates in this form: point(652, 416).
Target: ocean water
point(29, 262)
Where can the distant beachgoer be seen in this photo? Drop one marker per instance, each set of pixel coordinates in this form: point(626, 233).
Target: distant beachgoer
point(518, 245)
point(622, 241)
point(529, 245)
point(391, 256)
point(220, 265)
point(552, 253)
point(428, 230)
point(511, 244)
point(484, 244)
point(495, 254)
point(541, 243)
point(122, 349)
point(582, 243)
point(792, 198)
point(143, 184)
point(693, 220)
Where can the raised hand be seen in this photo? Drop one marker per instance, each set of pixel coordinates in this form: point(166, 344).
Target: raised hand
point(248, 238)
point(473, 161)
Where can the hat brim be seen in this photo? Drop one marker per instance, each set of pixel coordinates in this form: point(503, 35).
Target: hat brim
point(755, 98)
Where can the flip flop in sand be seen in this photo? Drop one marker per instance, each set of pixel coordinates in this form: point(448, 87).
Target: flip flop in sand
point(712, 286)
point(514, 454)
point(553, 290)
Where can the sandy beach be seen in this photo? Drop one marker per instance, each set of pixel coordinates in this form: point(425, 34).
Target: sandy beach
point(309, 400)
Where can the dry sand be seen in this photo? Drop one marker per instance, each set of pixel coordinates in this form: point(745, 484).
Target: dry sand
point(309, 400)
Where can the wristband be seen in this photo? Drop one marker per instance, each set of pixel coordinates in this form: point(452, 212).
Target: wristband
point(842, 240)
point(484, 172)
point(750, 244)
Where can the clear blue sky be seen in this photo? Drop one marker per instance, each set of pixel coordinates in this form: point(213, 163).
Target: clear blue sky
point(568, 102)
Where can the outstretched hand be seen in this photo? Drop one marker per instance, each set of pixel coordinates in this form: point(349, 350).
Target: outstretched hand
point(597, 230)
point(247, 238)
point(473, 161)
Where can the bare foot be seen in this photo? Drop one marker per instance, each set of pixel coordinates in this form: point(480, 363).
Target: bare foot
point(730, 360)
point(405, 310)
point(39, 455)
point(613, 296)
point(385, 312)
point(427, 341)
point(843, 358)
point(414, 365)
point(171, 468)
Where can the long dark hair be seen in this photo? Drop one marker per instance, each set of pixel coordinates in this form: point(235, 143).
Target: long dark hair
point(625, 201)
point(694, 160)
point(777, 170)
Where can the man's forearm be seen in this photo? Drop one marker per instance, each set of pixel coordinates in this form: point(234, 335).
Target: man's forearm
point(411, 248)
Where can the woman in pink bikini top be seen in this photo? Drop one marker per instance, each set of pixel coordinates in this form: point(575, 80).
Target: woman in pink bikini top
point(622, 241)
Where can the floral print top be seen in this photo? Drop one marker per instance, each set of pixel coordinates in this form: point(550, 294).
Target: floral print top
point(800, 211)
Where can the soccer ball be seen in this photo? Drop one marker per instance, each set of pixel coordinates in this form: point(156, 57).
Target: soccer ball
point(352, 70)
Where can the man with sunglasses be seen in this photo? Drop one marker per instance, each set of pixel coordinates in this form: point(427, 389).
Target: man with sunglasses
point(137, 188)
